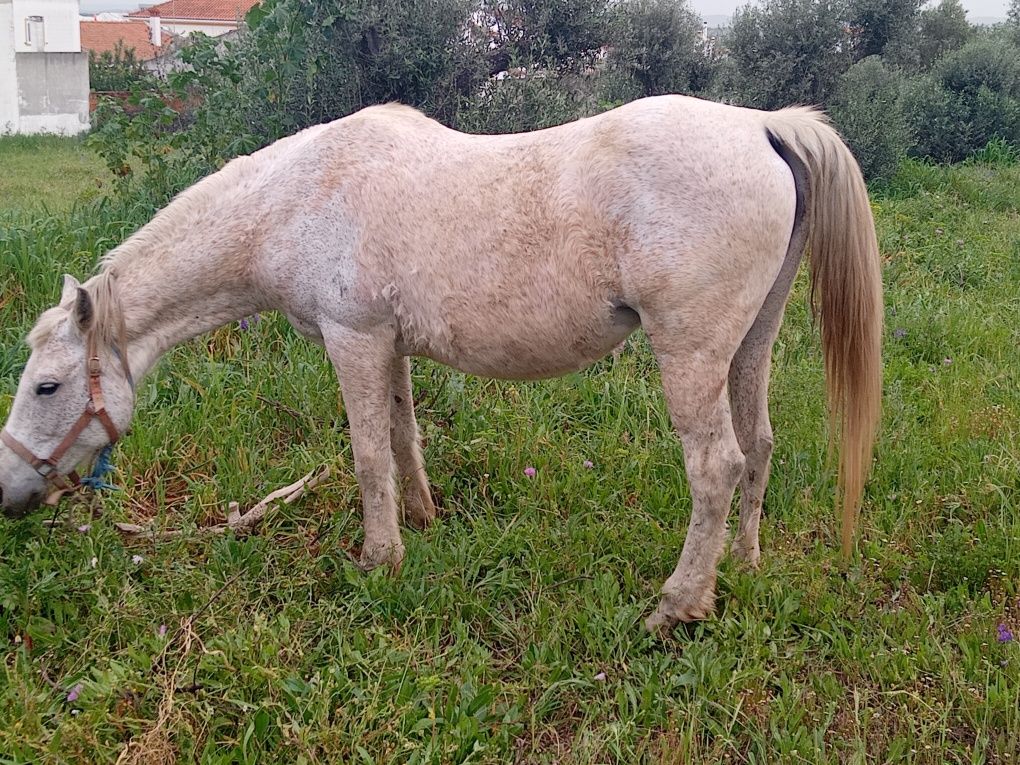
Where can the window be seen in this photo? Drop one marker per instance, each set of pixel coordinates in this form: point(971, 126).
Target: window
point(34, 32)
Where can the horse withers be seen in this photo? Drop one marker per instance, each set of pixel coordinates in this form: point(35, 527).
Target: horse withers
point(385, 235)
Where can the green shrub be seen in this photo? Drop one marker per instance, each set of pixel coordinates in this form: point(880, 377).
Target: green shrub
point(971, 97)
point(868, 112)
point(118, 70)
point(520, 103)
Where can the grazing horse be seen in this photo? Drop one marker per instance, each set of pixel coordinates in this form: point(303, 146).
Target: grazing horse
point(385, 235)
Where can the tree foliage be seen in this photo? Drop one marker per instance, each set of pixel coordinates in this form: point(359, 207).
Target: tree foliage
point(787, 52)
point(895, 79)
point(942, 29)
point(874, 24)
point(657, 48)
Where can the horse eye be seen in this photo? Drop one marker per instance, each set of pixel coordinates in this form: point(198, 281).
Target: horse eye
point(46, 389)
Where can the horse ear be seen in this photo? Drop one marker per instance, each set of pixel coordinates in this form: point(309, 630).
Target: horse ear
point(70, 285)
point(84, 312)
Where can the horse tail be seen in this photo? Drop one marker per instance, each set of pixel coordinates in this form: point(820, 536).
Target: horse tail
point(846, 290)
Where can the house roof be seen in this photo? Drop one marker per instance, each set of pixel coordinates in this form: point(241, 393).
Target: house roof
point(210, 10)
point(102, 36)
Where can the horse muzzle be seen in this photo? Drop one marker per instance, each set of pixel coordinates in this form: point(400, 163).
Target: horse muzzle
point(14, 506)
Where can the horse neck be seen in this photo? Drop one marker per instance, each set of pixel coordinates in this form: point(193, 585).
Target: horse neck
point(179, 291)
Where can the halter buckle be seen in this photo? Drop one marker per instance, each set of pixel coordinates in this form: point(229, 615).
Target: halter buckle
point(46, 469)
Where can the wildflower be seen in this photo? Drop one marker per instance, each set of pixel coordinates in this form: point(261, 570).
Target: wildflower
point(249, 321)
point(530, 472)
point(94, 562)
point(589, 464)
point(76, 712)
point(72, 696)
point(899, 333)
point(601, 676)
point(137, 559)
point(162, 630)
point(1005, 634)
point(947, 361)
point(84, 528)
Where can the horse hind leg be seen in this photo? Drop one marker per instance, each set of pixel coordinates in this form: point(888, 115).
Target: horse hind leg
point(405, 440)
point(700, 410)
point(749, 390)
point(748, 386)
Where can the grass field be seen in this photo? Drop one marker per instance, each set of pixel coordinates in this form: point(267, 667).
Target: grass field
point(513, 633)
point(44, 172)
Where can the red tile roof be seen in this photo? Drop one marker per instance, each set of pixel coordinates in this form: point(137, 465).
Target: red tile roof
point(219, 10)
point(102, 36)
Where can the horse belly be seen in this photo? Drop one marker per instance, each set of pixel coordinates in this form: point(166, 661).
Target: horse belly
point(544, 344)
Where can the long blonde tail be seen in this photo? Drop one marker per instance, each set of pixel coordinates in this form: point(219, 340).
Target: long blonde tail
point(846, 293)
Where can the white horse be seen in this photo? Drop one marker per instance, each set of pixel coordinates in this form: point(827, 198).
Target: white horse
point(385, 235)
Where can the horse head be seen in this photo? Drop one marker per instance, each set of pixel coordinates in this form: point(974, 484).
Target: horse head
point(75, 397)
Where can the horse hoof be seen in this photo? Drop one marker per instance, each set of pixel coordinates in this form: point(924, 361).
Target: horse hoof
point(749, 555)
point(674, 609)
point(419, 511)
point(382, 555)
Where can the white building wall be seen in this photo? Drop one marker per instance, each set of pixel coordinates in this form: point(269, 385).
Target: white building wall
point(8, 71)
point(53, 92)
point(61, 33)
point(43, 89)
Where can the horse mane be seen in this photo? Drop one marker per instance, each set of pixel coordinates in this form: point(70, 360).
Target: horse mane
point(108, 316)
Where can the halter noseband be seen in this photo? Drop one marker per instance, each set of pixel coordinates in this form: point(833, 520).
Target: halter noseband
point(95, 409)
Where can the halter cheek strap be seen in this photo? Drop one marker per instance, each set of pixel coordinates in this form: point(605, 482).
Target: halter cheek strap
point(95, 409)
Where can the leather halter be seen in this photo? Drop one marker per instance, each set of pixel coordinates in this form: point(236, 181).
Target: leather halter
point(95, 409)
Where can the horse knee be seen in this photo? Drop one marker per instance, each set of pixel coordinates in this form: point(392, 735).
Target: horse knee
point(715, 472)
point(759, 454)
point(732, 463)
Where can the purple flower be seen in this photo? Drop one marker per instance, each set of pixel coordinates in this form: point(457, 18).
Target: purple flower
point(162, 630)
point(249, 321)
point(601, 676)
point(899, 333)
point(72, 696)
point(137, 559)
point(84, 528)
point(589, 464)
point(1005, 634)
point(530, 472)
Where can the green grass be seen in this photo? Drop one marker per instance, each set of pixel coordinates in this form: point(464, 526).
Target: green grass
point(47, 171)
point(491, 644)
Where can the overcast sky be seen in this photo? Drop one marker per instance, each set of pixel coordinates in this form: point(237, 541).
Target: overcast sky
point(704, 7)
point(974, 7)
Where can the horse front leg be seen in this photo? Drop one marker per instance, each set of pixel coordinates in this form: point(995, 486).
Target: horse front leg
point(364, 362)
point(416, 498)
point(699, 407)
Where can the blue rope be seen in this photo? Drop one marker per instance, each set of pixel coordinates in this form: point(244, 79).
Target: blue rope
point(94, 480)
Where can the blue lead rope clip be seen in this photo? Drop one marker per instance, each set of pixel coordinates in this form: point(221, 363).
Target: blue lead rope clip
point(94, 480)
